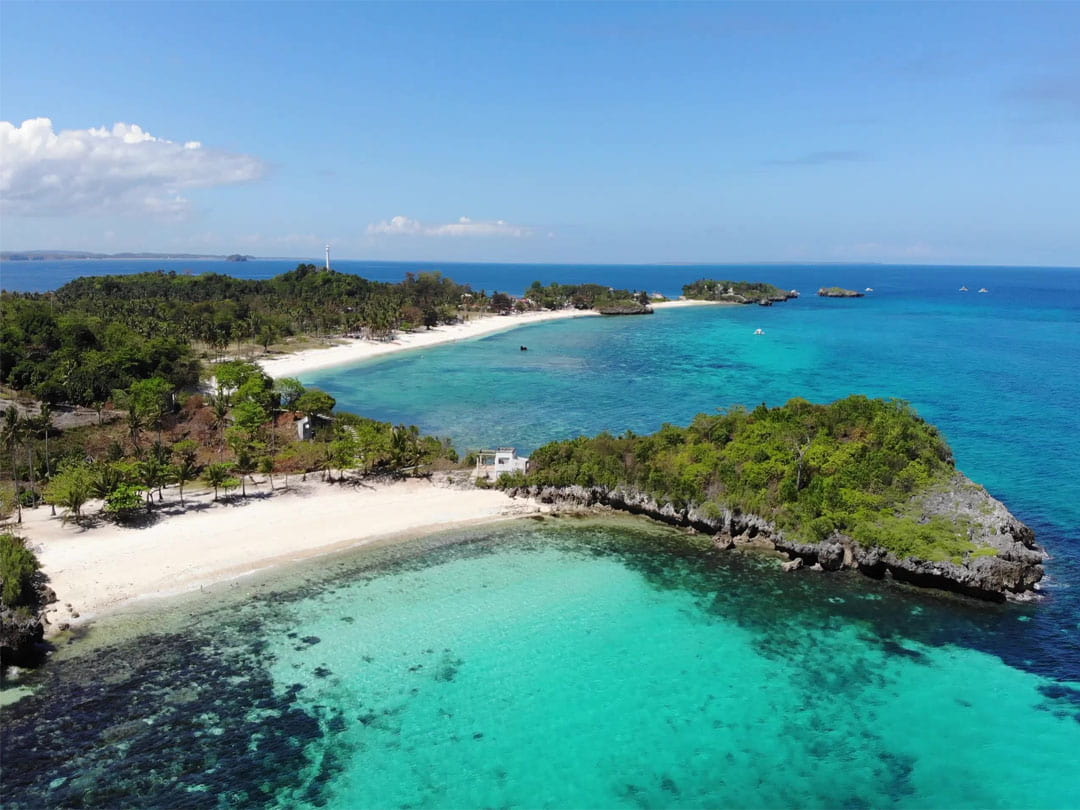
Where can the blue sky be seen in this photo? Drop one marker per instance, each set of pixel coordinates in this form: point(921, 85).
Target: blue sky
point(902, 132)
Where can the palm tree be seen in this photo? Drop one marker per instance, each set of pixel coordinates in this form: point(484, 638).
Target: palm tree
point(245, 466)
point(187, 468)
point(105, 478)
point(219, 405)
point(266, 467)
point(162, 456)
point(136, 423)
point(12, 433)
point(46, 422)
point(151, 475)
point(217, 475)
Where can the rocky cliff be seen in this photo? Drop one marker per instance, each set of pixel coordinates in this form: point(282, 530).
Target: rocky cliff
point(625, 308)
point(1011, 571)
point(22, 629)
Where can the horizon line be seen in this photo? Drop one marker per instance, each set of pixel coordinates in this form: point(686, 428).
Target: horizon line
point(670, 263)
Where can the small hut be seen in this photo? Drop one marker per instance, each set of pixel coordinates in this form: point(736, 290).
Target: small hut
point(490, 464)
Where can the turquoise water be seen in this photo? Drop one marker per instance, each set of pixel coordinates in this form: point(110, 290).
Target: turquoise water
point(553, 664)
point(998, 372)
point(619, 664)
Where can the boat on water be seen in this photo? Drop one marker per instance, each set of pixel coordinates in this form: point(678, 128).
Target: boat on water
point(759, 331)
point(869, 289)
point(963, 289)
point(983, 289)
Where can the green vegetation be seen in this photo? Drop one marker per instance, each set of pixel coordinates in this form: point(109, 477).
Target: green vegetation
point(17, 568)
point(850, 467)
point(838, 292)
point(99, 334)
point(738, 292)
point(583, 296)
point(137, 346)
point(247, 425)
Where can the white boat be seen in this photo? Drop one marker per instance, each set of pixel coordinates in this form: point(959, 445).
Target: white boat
point(963, 289)
point(759, 331)
point(983, 289)
point(869, 289)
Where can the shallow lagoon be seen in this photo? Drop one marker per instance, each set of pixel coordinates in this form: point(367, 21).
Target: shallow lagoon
point(550, 664)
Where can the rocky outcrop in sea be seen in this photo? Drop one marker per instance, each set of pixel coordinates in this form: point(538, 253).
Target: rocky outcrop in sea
point(22, 628)
point(1013, 572)
point(627, 308)
point(838, 292)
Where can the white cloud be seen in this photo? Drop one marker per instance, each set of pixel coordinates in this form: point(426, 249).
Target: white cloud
point(404, 226)
point(120, 170)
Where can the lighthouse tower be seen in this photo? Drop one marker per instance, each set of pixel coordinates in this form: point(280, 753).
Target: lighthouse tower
point(327, 257)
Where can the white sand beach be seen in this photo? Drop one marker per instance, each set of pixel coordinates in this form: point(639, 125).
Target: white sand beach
point(105, 567)
point(355, 350)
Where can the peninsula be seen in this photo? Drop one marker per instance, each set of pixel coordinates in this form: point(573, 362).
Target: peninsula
point(859, 483)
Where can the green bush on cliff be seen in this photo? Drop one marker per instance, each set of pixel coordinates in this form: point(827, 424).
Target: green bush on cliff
point(850, 466)
point(707, 289)
point(17, 568)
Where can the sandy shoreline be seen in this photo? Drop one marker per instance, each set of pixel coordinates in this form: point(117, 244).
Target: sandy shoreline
point(355, 350)
point(100, 569)
point(106, 567)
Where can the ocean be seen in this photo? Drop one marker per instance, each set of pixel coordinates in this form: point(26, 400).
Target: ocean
point(614, 663)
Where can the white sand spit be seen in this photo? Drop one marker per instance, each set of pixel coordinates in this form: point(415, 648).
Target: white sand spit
point(356, 350)
point(108, 566)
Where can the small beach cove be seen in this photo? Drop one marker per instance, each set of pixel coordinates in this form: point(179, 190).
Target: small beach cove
point(99, 567)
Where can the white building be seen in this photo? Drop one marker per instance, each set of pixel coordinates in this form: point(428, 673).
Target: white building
point(492, 463)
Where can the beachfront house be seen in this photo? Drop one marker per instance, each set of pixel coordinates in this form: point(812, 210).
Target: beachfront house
point(307, 427)
point(490, 464)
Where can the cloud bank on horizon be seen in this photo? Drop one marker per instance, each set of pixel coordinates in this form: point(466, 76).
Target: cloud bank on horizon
point(122, 170)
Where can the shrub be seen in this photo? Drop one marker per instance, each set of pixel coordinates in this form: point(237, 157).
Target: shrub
point(17, 568)
point(123, 502)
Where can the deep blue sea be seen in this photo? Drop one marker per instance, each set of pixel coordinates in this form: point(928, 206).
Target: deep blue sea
point(570, 663)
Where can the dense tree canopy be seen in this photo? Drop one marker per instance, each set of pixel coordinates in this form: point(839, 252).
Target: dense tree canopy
point(736, 292)
point(581, 296)
point(99, 334)
point(851, 466)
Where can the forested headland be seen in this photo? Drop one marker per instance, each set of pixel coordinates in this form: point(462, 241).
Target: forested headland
point(736, 292)
point(866, 473)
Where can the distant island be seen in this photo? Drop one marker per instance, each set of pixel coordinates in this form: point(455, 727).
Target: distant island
point(838, 292)
point(859, 483)
point(61, 255)
point(737, 292)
